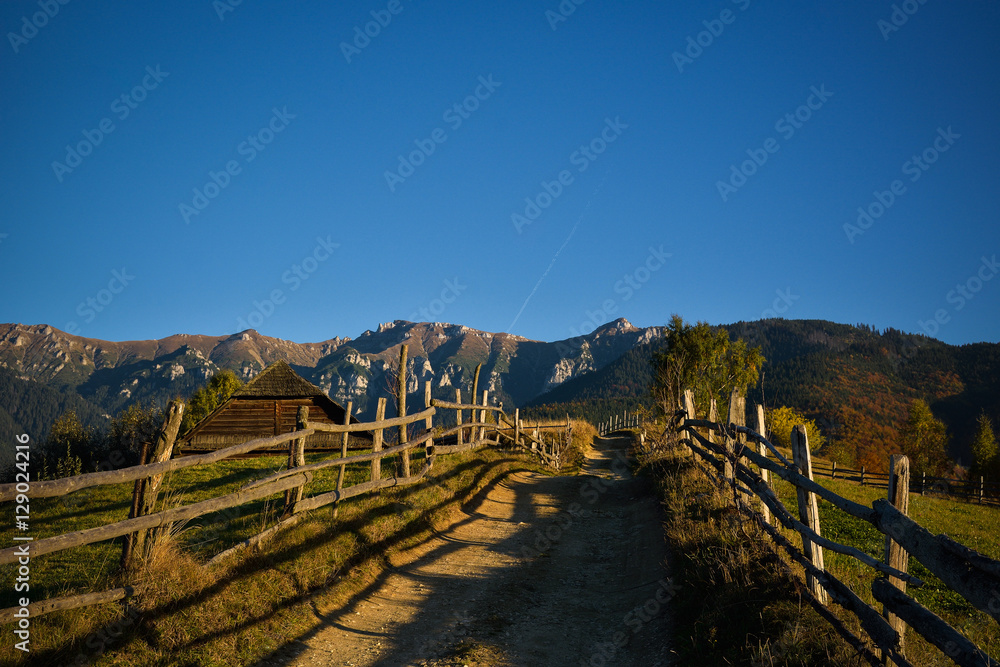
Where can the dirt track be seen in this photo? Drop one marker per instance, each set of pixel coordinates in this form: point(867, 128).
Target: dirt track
point(537, 571)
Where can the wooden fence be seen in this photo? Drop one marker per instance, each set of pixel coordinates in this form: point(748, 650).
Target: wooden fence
point(617, 422)
point(972, 490)
point(741, 459)
point(293, 481)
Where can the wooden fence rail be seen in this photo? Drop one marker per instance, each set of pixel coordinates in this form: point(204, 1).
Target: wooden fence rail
point(742, 459)
point(474, 433)
point(973, 490)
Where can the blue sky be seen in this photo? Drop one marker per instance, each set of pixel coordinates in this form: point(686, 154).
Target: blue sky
point(203, 167)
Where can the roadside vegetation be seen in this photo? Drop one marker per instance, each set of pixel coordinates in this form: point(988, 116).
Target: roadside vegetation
point(743, 602)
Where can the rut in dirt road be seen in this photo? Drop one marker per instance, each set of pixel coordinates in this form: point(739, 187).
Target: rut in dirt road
point(537, 571)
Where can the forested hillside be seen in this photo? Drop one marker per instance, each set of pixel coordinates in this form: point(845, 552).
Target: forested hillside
point(855, 381)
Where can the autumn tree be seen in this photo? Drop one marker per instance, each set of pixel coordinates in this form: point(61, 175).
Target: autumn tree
point(924, 439)
point(985, 453)
point(781, 421)
point(206, 399)
point(693, 357)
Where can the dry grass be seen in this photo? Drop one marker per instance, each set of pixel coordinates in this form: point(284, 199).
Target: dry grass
point(739, 603)
point(247, 608)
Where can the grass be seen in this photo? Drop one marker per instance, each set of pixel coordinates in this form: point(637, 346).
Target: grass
point(741, 606)
point(737, 603)
point(976, 526)
point(240, 612)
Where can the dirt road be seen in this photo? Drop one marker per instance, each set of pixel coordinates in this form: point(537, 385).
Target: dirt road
point(537, 571)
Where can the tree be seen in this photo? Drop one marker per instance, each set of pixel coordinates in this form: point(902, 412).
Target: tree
point(781, 421)
point(985, 452)
point(132, 428)
point(68, 443)
point(206, 399)
point(924, 439)
point(693, 357)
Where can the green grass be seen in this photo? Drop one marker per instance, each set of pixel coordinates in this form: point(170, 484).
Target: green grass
point(976, 526)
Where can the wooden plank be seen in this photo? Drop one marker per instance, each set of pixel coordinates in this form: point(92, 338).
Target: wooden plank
point(61, 487)
point(110, 531)
point(931, 627)
point(895, 555)
point(36, 609)
point(808, 508)
point(370, 426)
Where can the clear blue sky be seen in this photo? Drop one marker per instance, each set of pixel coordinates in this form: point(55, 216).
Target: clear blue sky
point(308, 129)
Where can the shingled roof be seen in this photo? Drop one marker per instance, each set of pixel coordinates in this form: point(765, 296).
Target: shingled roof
point(278, 381)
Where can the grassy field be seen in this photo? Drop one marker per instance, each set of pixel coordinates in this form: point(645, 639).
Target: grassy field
point(239, 612)
point(976, 526)
point(741, 605)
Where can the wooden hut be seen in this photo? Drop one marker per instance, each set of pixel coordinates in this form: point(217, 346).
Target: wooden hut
point(266, 406)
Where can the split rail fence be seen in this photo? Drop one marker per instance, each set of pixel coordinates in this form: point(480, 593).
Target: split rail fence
point(975, 490)
point(293, 481)
point(744, 460)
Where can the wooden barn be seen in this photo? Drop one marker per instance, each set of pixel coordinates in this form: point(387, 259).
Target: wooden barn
point(268, 405)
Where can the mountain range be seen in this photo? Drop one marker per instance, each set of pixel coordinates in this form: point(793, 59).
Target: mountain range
point(854, 380)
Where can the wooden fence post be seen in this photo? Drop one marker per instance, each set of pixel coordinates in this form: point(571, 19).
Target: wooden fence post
point(377, 440)
point(713, 416)
point(404, 456)
point(923, 482)
point(296, 458)
point(482, 415)
point(343, 455)
point(517, 427)
point(808, 509)
point(834, 473)
point(765, 474)
point(689, 410)
point(428, 426)
point(862, 475)
point(737, 416)
point(458, 416)
point(147, 490)
point(895, 556)
point(475, 397)
point(982, 487)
